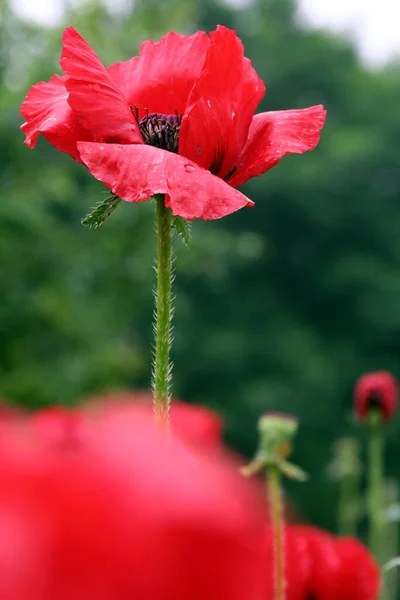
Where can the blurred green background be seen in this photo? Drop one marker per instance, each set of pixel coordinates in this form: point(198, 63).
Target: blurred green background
point(279, 307)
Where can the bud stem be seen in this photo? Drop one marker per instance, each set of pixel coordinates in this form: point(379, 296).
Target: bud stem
point(276, 509)
point(163, 314)
point(375, 484)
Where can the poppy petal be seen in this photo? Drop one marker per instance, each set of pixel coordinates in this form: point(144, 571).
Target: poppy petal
point(359, 576)
point(136, 172)
point(160, 79)
point(93, 96)
point(275, 134)
point(221, 105)
point(47, 111)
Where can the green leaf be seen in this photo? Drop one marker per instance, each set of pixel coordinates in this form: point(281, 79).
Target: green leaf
point(101, 212)
point(182, 227)
point(293, 471)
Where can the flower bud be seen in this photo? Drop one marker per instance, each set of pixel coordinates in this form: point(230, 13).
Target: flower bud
point(276, 431)
point(376, 391)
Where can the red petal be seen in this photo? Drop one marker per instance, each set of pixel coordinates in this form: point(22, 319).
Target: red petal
point(161, 78)
point(275, 134)
point(359, 575)
point(221, 105)
point(93, 96)
point(136, 172)
point(47, 111)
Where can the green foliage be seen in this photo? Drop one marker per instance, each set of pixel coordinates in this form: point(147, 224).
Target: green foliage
point(279, 307)
point(101, 212)
point(182, 228)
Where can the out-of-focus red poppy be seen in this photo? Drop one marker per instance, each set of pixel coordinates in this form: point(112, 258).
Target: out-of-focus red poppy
point(339, 567)
point(376, 390)
point(193, 423)
point(177, 120)
point(127, 514)
point(58, 425)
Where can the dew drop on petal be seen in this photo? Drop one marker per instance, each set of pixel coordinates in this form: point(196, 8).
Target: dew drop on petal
point(189, 168)
point(208, 104)
point(199, 151)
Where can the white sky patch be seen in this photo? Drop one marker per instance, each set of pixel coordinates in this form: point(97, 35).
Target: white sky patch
point(43, 12)
point(373, 24)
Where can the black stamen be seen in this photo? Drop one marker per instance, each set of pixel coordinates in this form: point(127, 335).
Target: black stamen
point(161, 131)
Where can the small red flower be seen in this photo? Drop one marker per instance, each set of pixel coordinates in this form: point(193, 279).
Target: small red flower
point(376, 390)
point(127, 514)
point(339, 567)
point(175, 120)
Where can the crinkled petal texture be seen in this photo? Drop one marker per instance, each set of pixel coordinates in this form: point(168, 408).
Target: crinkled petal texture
point(126, 514)
point(47, 111)
point(376, 390)
point(272, 135)
point(135, 173)
point(160, 79)
point(95, 99)
point(220, 105)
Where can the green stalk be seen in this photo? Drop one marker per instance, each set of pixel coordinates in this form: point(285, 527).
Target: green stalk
point(276, 509)
point(162, 367)
point(376, 505)
point(347, 508)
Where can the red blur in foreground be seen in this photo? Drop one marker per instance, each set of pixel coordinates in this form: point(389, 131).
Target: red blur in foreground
point(376, 390)
point(177, 120)
point(193, 423)
point(122, 513)
point(321, 566)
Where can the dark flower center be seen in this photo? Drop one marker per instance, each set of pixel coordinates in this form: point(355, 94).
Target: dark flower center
point(161, 131)
point(374, 400)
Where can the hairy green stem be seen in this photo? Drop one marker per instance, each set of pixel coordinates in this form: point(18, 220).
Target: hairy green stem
point(163, 315)
point(375, 484)
point(276, 510)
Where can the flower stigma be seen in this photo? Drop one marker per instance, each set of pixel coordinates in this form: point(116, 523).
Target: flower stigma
point(160, 130)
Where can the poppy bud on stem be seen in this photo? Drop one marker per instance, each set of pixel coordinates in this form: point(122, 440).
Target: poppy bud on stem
point(375, 403)
point(162, 367)
point(276, 433)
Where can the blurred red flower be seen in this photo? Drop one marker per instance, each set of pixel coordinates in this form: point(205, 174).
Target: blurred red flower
point(194, 423)
point(376, 390)
point(58, 425)
point(127, 513)
point(176, 120)
point(338, 567)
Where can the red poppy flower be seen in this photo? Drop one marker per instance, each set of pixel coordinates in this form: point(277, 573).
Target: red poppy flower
point(193, 423)
point(340, 567)
point(175, 120)
point(376, 390)
point(127, 514)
